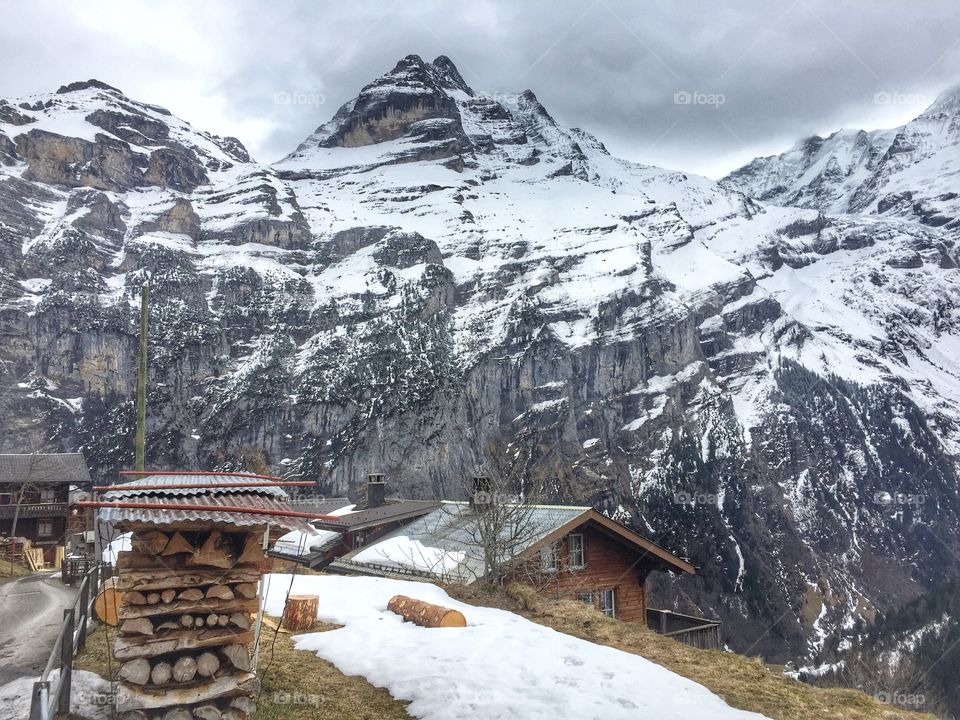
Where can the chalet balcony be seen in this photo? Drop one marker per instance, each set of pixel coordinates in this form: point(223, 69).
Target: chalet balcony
point(695, 631)
point(33, 510)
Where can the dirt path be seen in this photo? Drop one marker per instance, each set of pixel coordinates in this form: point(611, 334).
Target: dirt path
point(31, 610)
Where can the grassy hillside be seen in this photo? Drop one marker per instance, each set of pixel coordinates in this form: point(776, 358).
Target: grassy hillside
point(744, 683)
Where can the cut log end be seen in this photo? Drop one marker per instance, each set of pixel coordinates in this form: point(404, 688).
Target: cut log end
point(300, 612)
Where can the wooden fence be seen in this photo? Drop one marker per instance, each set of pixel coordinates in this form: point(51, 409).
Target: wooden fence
point(52, 698)
point(695, 631)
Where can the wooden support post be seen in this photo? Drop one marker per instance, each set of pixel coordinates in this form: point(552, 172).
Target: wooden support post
point(141, 430)
point(84, 612)
point(39, 700)
point(66, 662)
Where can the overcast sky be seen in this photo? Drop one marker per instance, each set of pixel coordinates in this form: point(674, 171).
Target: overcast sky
point(756, 74)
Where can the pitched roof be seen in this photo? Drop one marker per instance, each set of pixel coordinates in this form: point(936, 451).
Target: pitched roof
point(445, 543)
point(44, 468)
point(392, 511)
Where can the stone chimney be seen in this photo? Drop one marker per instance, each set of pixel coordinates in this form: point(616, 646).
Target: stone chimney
point(376, 490)
point(481, 495)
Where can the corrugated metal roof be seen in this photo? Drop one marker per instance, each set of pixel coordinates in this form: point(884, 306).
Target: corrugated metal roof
point(129, 488)
point(253, 497)
point(44, 468)
point(452, 529)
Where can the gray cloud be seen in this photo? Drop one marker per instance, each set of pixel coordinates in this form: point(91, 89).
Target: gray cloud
point(759, 75)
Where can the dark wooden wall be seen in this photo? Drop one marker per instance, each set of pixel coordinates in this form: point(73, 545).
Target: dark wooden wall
point(609, 565)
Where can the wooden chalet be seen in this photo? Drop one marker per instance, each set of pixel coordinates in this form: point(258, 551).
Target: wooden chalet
point(569, 552)
point(34, 490)
point(348, 526)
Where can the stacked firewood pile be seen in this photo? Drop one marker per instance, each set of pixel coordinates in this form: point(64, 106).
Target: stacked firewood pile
point(188, 599)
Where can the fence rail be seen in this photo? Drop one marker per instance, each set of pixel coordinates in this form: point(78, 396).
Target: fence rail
point(695, 631)
point(52, 698)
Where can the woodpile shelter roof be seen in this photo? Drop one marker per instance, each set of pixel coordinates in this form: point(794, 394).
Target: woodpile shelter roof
point(247, 500)
point(70, 468)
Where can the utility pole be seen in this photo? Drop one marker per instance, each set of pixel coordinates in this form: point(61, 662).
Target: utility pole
point(142, 377)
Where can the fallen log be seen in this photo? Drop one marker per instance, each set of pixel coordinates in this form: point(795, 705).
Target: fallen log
point(300, 612)
point(425, 614)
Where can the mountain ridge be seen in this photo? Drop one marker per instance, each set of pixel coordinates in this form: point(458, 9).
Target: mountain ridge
point(443, 279)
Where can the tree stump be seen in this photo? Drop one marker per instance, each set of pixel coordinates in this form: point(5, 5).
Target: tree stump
point(300, 612)
point(425, 614)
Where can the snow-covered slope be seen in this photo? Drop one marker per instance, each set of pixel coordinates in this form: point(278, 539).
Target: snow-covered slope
point(499, 666)
point(439, 279)
point(911, 171)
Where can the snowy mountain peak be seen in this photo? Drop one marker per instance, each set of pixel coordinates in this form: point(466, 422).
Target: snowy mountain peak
point(908, 171)
point(448, 75)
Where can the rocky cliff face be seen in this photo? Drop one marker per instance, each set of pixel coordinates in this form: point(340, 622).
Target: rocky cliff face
point(439, 279)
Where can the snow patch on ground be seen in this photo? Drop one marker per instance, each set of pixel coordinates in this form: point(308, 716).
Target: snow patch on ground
point(500, 666)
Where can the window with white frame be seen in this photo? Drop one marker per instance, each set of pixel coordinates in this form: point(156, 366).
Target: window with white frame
point(577, 552)
point(587, 598)
point(608, 602)
point(549, 558)
point(44, 527)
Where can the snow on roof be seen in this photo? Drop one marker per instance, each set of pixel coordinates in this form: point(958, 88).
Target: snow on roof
point(444, 542)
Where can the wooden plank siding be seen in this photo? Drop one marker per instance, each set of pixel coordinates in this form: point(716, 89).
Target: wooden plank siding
point(609, 565)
